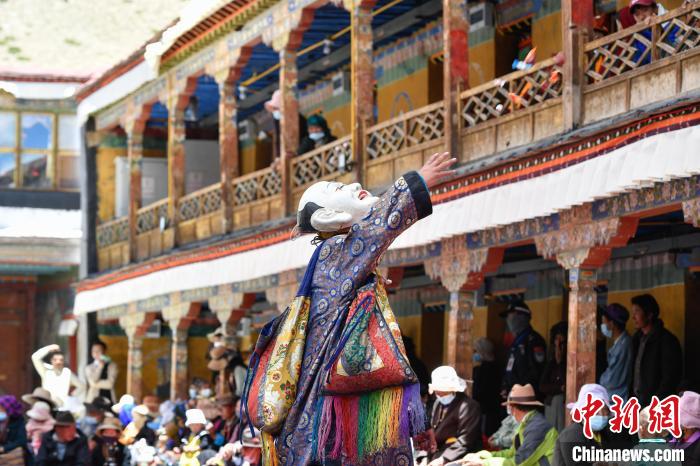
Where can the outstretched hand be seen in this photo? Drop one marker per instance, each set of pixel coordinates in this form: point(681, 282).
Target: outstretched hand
point(437, 168)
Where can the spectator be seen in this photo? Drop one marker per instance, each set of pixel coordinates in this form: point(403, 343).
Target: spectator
point(39, 394)
point(503, 437)
point(137, 428)
point(55, 377)
point(690, 425)
point(573, 435)
point(656, 353)
point(101, 374)
point(527, 353)
point(108, 451)
point(456, 419)
point(225, 428)
point(553, 383)
point(13, 436)
point(64, 445)
point(644, 12)
point(40, 422)
point(616, 377)
point(198, 440)
point(123, 408)
point(487, 383)
point(94, 415)
point(650, 441)
point(418, 366)
point(534, 439)
point(319, 134)
point(274, 107)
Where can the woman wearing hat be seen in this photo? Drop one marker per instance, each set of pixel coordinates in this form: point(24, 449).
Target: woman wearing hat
point(108, 451)
point(616, 377)
point(534, 438)
point(40, 422)
point(689, 410)
point(456, 418)
point(13, 436)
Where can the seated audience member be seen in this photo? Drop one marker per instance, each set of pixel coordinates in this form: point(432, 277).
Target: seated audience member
point(40, 422)
point(198, 441)
point(487, 383)
point(690, 427)
point(533, 443)
point(616, 377)
point(107, 451)
point(602, 436)
point(138, 429)
point(503, 437)
point(553, 380)
point(650, 442)
point(657, 363)
point(13, 435)
point(64, 445)
point(319, 134)
point(456, 418)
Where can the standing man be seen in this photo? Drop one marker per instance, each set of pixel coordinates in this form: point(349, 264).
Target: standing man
point(656, 353)
point(101, 374)
point(55, 377)
point(527, 354)
point(616, 378)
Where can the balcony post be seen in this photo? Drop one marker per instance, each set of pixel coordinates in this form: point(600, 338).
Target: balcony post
point(228, 148)
point(577, 21)
point(134, 156)
point(176, 157)
point(179, 317)
point(289, 123)
point(455, 69)
point(361, 82)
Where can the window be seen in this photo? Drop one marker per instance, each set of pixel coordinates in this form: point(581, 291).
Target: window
point(38, 150)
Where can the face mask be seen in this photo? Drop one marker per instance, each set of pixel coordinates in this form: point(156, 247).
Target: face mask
point(109, 440)
point(316, 136)
point(276, 114)
point(607, 331)
point(476, 357)
point(205, 392)
point(3, 417)
point(193, 392)
point(445, 400)
point(598, 423)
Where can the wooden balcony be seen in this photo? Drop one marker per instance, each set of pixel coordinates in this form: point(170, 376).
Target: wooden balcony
point(623, 72)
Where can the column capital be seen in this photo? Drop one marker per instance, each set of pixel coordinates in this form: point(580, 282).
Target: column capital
point(691, 212)
point(458, 266)
point(180, 316)
point(136, 323)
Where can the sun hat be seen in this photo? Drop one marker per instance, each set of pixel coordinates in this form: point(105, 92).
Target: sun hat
point(39, 394)
point(110, 423)
point(141, 409)
point(690, 410)
point(123, 401)
point(41, 411)
point(64, 418)
point(195, 416)
point(522, 395)
point(275, 101)
point(445, 379)
point(598, 391)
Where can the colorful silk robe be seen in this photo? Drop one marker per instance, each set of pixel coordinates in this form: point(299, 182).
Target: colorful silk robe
point(345, 263)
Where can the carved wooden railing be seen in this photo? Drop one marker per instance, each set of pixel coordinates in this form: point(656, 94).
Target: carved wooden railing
point(330, 159)
point(257, 185)
point(148, 217)
point(671, 34)
point(112, 232)
point(511, 92)
point(199, 203)
point(405, 131)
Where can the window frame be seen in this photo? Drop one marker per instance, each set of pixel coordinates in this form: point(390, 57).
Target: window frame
point(54, 153)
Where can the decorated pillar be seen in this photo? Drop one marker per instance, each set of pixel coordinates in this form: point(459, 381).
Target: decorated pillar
point(228, 147)
point(577, 21)
point(461, 271)
point(455, 21)
point(179, 318)
point(691, 212)
point(176, 156)
point(134, 156)
point(286, 289)
point(581, 246)
point(361, 80)
point(135, 325)
point(289, 122)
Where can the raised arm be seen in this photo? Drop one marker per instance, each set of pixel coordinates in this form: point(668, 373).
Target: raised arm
point(38, 358)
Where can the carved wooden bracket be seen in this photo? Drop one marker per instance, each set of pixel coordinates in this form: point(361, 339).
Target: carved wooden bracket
point(458, 267)
point(581, 242)
point(691, 212)
point(284, 292)
point(136, 323)
point(180, 316)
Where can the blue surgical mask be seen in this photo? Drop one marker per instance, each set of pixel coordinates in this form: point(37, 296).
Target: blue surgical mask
point(476, 357)
point(446, 400)
point(316, 136)
point(193, 393)
point(607, 331)
point(3, 417)
point(277, 115)
point(598, 423)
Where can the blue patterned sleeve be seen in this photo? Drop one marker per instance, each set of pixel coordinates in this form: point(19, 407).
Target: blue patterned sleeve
point(406, 202)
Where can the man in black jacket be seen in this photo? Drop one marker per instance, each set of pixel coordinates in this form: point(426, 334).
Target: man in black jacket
point(657, 363)
point(63, 446)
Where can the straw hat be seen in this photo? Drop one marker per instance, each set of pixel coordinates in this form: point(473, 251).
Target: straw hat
point(522, 395)
point(39, 394)
point(123, 401)
point(41, 411)
point(445, 379)
point(195, 416)
point(110, 423)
